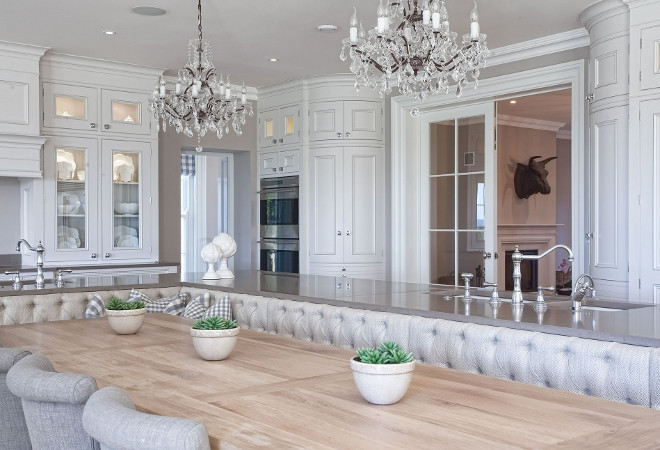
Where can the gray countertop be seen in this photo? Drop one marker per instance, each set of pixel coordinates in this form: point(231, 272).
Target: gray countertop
point(637, 324)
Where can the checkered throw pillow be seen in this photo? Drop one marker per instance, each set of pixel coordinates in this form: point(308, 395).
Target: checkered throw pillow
point(200, 307)
point(221, 308)
point(95, 307)
point(177, 304)
point(174, 305)
point(137, 296)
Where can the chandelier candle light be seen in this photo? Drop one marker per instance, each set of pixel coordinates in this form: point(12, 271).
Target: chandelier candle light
point(419, 54)
point(202, 101)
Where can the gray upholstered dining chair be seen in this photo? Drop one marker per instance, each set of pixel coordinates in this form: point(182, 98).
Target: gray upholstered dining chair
point(110, 418)
point(13, 431)
point(52, 403)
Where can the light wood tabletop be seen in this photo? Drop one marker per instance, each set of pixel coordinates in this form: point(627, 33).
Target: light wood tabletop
point(284, 393)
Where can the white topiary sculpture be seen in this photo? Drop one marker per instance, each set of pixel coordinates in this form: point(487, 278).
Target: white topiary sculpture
point(210, 255)
point(227, 246)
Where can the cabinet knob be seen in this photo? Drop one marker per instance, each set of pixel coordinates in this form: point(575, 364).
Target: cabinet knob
point(106, 127)
point(107, 255)
point(281, 169)
point(348, 233)
point(487, 255)
point(274, 169)
point(274, 141)
point(281, 140)
point(338, 233)
point(93, 255)
point(92, 126)
point(339, 135)
point(348, 135)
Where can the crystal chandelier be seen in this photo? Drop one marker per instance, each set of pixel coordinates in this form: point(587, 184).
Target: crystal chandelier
point(413, 48)
point(201, 101)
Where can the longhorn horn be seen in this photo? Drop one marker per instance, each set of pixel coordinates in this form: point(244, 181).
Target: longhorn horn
point(547, 160)
point(531, 160)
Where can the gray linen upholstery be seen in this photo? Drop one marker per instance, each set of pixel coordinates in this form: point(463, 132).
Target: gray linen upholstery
point(110, 417)
point(13, 430)
point(52, 402)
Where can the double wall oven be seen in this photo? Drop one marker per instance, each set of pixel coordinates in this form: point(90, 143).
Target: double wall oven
point(278, 219)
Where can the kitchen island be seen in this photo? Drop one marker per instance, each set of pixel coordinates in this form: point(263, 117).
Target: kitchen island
point(284, 393)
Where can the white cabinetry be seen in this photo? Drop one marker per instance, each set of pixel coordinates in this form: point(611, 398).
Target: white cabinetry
point(650, 58)
point(278, 163)
point(355, 119)
point(279, 126)
point(76, 107)
point(102, 209)
point(346, 211)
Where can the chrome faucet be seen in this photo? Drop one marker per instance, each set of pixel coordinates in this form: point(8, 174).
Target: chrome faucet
point(517, 257)
point(583, 284)
point(40, 282)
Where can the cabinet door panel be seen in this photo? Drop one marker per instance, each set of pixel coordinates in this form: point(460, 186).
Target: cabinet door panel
point(126, 205)
point(362, 120)
point(71, 199)
point(125, 112)
point(609, 213)
point(268, 164)
point(268, 128)
point(70, 107)
point(609, 68)
point(362, 204)
point(325, 208)
point(325, 121)
point(289, 119)
point(650, 58)
point(289, 161)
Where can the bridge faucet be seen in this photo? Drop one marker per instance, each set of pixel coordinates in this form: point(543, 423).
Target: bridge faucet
point(40, 282)
point(518, 257)
point(583, 284)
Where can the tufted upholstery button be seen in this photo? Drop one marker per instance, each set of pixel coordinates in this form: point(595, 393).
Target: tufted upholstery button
point(512, 377)
point(495, 340)
point(363, 320)
point(434, 332)
point(321, 315)
point(567, 351)
point(462, 335)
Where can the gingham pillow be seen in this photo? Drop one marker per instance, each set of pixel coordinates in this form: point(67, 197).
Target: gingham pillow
point(174, 305)
point(200, 307)
point(221, 308)
point(95, 307)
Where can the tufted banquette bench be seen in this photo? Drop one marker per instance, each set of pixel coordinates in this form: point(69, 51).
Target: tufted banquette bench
point(614, 371)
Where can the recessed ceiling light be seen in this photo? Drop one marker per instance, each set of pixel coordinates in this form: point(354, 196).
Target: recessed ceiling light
point(148, 11)
point(513, 102)
point(109, 32)
point(327, 28)
point(273, 60)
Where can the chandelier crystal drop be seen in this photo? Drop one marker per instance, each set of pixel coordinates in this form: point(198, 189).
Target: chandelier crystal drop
point(202, 100)
point(412, 47)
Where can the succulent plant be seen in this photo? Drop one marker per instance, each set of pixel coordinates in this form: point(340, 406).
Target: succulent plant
point(387, 353)
point(117, 304)
point(214, 323)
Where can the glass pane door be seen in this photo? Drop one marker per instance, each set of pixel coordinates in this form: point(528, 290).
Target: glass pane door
point(460, 196)
point(126, 199)
point(71, 207)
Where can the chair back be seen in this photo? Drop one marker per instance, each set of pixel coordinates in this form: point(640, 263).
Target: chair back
point(110, 418)
point(53, 403)
point(13, 430)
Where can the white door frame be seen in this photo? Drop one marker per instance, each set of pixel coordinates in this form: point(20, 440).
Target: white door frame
point(406, 220)
point(487, 110)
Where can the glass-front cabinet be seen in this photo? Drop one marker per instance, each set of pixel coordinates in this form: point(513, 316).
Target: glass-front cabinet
point(98, 201)
point(70, 203)
point(77, 108)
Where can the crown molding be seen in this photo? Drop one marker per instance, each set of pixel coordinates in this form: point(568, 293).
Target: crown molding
point(564, 134)
point(554, 43)
point(22, 50)
point(524, 122)
point(87, 64)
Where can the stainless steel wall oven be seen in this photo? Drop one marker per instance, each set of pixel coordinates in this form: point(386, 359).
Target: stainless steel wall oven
point(279, 220)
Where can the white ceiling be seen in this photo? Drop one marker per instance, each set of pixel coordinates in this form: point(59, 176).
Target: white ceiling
point(246, 33)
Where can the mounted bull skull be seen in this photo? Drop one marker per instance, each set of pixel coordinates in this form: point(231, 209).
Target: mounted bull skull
point(531, 179)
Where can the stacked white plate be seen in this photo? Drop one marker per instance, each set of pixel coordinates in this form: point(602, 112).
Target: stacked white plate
point(66, 165)
point(126, 236)
point(68, 237)
point(122, 168)
point(67, 203)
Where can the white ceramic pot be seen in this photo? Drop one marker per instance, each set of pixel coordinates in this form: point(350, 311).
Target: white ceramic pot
point(214, 345)
point(382, 384)
point(126, 321)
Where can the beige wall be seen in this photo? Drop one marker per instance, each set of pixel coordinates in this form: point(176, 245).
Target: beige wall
point(517, 145)
point(245, 218)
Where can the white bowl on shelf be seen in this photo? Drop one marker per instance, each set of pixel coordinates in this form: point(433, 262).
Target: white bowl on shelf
point(128, 241)
point(71, 208)
point(127, 208)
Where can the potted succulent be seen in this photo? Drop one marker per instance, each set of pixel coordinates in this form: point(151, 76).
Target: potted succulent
point(214, 337)
point(382, 375)
point(125, 317)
